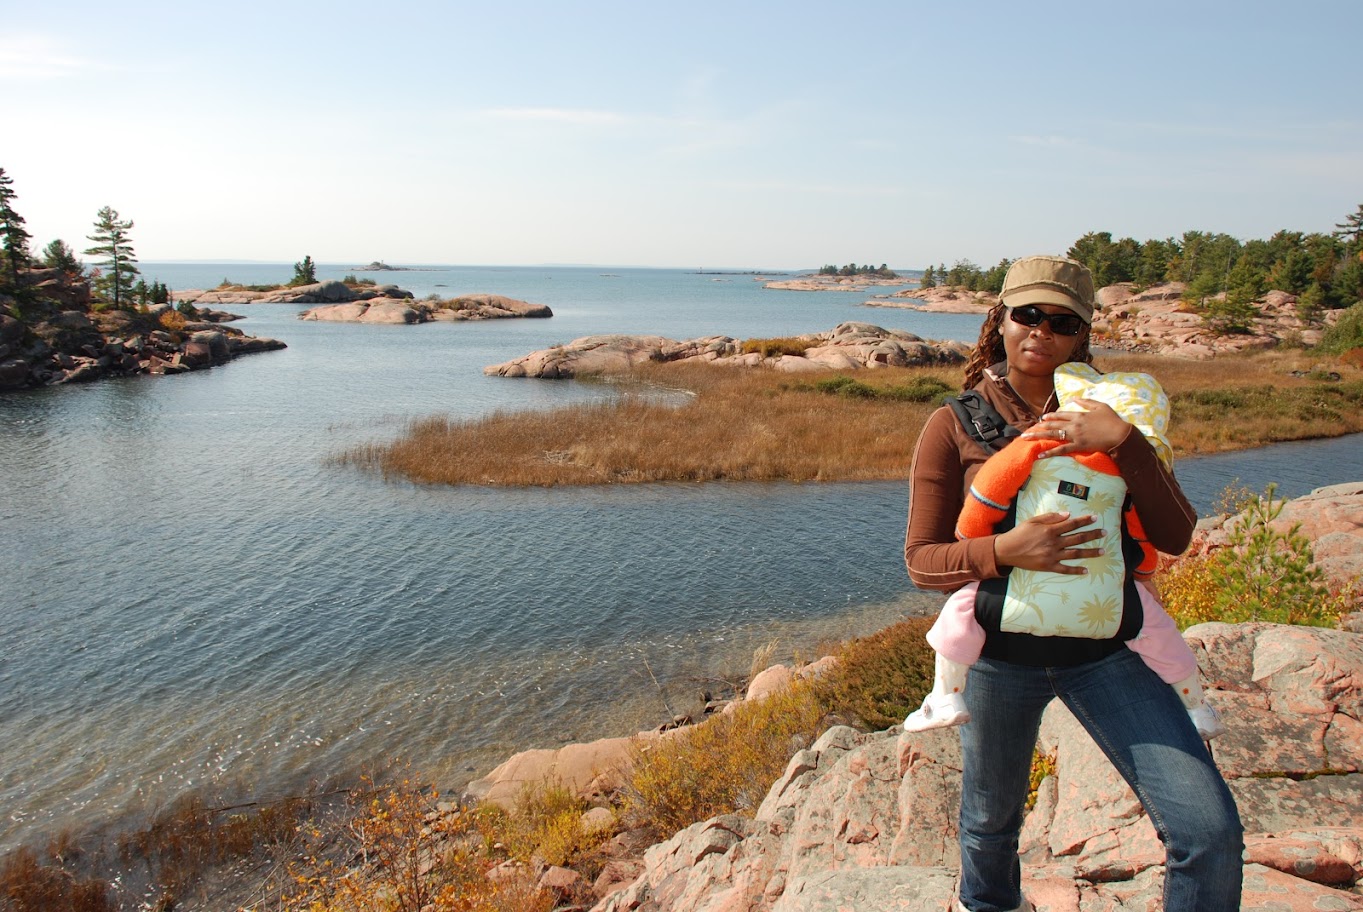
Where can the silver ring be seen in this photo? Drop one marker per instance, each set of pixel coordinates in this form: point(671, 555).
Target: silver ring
point(1063, 435)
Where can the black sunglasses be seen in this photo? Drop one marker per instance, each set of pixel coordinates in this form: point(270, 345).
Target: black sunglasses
point(1062, 324)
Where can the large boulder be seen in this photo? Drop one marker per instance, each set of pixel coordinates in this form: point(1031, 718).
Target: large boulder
point(390, 310)
point(336, 313)
point(588, 770)
point(588, 355)
point(487, 307)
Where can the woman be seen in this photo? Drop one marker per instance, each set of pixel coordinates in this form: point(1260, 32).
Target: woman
point(1041, 322)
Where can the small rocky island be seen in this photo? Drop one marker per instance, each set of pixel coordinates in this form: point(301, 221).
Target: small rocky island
point(859, 282)
point(60, 336)
point(365, 302)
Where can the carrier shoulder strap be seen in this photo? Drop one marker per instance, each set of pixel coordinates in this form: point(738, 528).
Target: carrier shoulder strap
point(982, 421)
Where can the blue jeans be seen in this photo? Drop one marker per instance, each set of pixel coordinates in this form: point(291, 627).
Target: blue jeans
point(1140, 724)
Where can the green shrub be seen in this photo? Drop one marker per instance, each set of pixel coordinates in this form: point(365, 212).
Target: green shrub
point(919, 389)
point(1263, 574)
point(1346, 333)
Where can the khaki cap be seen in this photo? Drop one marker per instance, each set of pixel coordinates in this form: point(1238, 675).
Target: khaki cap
point(1049, 280)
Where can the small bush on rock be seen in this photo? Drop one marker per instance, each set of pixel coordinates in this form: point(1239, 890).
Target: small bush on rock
point(880, 678)
point(771, 348)
point(725, 765)
point(1263, 574)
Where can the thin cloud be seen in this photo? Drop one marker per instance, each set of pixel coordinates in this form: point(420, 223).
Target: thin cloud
point(37, 57)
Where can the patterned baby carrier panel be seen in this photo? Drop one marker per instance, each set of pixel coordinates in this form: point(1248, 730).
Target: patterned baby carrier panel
point(1060, 604)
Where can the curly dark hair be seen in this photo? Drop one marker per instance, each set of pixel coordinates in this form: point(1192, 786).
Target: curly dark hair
point(989, 349)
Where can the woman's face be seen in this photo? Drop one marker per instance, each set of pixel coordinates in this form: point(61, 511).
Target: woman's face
point(1037, 350)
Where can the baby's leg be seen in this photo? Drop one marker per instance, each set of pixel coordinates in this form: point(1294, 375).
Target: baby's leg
point(956, 634)
point(958, 639)
point(1162, 647)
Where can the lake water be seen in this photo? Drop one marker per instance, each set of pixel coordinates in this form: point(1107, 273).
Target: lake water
point(193, 598)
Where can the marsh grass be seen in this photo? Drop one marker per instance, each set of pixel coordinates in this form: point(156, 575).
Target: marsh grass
point(168, 860)
point(761, 425)
point(739, 425)
point(31, 882)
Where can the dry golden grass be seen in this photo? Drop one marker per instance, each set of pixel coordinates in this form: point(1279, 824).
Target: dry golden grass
point(726, 764)
point(740, 425)
point(1239, 402)
point(760, 425)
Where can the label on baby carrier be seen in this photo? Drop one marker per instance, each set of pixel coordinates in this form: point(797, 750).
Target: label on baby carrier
point(1090, 605)
point(1070, 489)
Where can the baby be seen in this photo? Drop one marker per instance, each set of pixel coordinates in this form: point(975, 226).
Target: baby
point(1057, 604)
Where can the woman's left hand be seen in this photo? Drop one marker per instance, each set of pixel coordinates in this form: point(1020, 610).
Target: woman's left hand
point(1095, 430)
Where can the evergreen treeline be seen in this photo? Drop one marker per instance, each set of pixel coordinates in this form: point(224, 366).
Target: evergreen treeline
point(852, 269)
point(1325, 270)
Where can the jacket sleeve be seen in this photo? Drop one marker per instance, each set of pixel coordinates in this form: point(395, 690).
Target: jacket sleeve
point(932, 553)
point(1164, 511)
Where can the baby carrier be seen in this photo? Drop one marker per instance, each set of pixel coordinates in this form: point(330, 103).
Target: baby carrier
point(1079, 616)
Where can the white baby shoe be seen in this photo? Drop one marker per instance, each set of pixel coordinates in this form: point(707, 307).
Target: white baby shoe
point(938, 711)
point(1207, 720)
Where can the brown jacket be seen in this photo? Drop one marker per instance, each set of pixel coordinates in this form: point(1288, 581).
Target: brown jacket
point(946, 459)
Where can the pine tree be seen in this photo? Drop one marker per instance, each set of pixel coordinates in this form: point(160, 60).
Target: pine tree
point(57, 255)
point(1351, 229)
point(304, 273)
point(112, 242)
point(13, 237)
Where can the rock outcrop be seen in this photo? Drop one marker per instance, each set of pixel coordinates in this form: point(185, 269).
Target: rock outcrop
point(405, 310)
point(61, 341)
point(339, 302)
point(849, 346)
point(835, 283)
point(329, 292)
point(1156, 320)
point(941, 299)
point(867, 821)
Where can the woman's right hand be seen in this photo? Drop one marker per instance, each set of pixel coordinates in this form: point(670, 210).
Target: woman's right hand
point(1042, 542)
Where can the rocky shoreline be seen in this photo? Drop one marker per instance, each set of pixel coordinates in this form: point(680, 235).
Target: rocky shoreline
point(341, 303)
point(64, 338)
point(867, 820)
point(64, 341)
point(836, 283)
point(942, 299)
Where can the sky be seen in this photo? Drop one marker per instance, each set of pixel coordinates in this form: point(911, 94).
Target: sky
point(713, 135)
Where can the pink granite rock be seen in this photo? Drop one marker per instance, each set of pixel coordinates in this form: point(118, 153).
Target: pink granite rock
point(849, 346)
point(866, 821)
